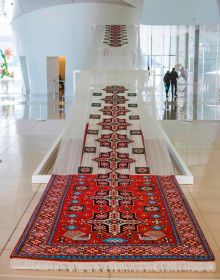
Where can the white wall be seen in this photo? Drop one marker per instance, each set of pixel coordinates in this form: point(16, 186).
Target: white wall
point(180, 12)
point(63, 30)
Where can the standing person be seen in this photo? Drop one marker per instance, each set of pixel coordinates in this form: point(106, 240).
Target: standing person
point(173, 78)
point(166, 80)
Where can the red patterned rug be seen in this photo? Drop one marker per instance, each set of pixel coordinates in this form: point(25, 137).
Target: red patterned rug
point(113, 215)
point(84, 223)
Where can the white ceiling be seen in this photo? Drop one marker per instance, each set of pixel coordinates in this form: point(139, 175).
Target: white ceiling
point(11, 9)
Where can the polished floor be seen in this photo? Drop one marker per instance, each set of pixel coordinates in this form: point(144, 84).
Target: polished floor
point(195, 101)
point(23, 144)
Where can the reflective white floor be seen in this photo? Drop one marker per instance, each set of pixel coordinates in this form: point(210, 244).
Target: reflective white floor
point(198, 102)
point(23, 144)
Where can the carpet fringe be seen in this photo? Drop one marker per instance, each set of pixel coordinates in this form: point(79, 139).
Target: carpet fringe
point(157, 266)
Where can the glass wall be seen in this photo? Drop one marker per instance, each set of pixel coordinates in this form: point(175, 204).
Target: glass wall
point(164, 47)
point(209, 72)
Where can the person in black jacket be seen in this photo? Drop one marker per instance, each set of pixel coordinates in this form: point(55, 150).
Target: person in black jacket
point(173, 78)
point(166, 80)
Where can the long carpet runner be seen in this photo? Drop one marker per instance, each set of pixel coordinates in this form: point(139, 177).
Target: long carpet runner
point(115, 35)
point(113, 215)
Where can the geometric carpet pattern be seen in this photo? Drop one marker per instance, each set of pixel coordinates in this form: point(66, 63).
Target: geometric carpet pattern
point(147, 219)
point(114, 214)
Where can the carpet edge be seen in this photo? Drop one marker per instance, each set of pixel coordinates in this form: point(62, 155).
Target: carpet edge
point(157, 266)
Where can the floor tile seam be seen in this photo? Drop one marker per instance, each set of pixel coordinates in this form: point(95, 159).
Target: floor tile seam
point(197, 212)
point(209, 199)
point(196, 204)
point(208, 212)
point(17, 139)
point(27, 129)
point(10, 145)
point(203, 218)
point(36, 122)
point(204, 135)
point(186, 193)
point(202, 186)
point(19, 220)
point(23, 154)
point(218, 245)
point(193, 125)
point(30, 128)
point(17, 177)
point(7, 125)
point(215, 199)
point(190, 198)
point(203, 170)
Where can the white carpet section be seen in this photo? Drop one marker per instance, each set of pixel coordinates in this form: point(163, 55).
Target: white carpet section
point(106, 66)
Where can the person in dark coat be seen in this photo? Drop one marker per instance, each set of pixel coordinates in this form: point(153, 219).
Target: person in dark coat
point(166, 80)
point(173, 78)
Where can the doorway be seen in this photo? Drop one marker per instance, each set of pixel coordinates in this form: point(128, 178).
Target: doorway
point(56, 68)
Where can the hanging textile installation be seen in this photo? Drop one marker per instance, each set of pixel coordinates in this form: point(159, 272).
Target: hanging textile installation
point(115, 35)
point(112, 211)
